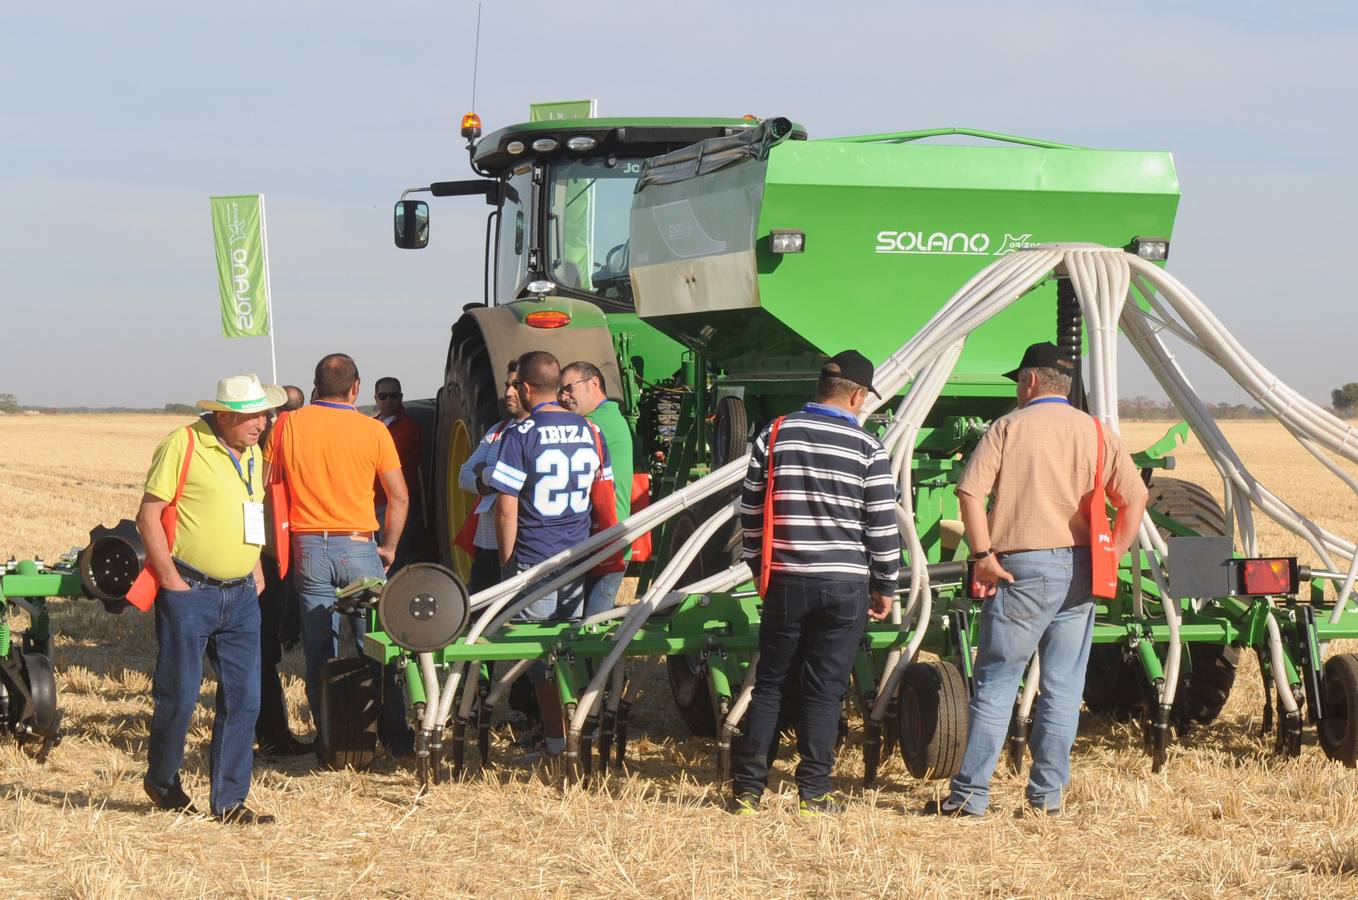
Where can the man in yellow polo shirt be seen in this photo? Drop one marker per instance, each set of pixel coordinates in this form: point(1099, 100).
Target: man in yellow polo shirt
point(209, 574)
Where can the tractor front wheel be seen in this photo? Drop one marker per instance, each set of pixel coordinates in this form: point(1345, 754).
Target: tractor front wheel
point(468, 404)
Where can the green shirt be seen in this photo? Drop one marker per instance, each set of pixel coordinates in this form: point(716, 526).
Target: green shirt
point(618, 438)
point(211, 532)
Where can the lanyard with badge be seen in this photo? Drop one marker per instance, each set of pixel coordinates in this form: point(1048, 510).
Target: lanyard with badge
point(253, 511)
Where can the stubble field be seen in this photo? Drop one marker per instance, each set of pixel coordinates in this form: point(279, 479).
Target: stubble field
point(1226, 818)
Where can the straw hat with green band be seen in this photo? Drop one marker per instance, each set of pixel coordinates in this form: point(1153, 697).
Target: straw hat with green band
point(245, 394)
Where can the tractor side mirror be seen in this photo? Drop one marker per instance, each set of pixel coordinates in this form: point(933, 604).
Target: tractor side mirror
point(412, 224)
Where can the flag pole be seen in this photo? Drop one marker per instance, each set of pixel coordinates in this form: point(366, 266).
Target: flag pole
point(268, 290)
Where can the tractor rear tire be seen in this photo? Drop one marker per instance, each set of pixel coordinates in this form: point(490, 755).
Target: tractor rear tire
point(1188, 504)
point(1203, 693)
point(1115, 687)
point(1338, 729)
point(932, 706)
point(346, 724)
point(468, 405)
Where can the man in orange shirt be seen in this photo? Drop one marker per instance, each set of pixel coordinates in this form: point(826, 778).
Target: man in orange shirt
point(405, 432)
point(330, 454)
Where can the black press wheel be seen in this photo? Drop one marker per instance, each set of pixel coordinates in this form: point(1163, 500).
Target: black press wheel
point(932, 703)
point(1114, 687)
point(1338, 730)
point(346, 725)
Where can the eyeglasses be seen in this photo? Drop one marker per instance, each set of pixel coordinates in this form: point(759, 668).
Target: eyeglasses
point(389, 395)
point(566, 388)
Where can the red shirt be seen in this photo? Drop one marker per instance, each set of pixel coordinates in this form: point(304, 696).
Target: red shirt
point(406, 434)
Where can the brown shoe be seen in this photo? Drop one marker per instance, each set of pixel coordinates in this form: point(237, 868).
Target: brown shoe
point(173, 801)
point(243, 815)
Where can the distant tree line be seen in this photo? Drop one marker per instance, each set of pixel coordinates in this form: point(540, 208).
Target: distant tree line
point(1146, 409)
point(9, 403)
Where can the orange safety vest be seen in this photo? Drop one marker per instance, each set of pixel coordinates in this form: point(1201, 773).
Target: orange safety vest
point(766, 539)
point(1103, 563)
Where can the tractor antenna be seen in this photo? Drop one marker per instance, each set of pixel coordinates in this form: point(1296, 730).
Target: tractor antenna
point(476, 54)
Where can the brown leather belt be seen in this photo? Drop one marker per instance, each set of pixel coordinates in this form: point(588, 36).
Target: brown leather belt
point(364, 535)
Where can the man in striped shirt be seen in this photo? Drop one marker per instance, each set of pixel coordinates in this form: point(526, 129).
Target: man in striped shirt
point(834, 556)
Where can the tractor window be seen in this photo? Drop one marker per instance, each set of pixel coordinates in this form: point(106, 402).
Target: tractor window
point(587, 226)
point(511, 266)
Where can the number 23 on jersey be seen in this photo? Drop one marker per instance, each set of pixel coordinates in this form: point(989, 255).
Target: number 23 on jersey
point(564, 481)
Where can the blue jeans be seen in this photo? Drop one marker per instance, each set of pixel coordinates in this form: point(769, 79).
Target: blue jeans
point(322, 564)
point(601, 592)
point(1047, 608)
point(822, 621)
point(561, 605)
point(224, 622)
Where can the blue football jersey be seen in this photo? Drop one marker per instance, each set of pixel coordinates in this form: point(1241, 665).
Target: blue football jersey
point(549, 461)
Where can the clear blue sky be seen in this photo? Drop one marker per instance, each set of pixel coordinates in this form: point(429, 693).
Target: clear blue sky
point(119, 120)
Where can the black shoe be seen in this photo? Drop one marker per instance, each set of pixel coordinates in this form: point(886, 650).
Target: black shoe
point(939, 808)
point(289, 747)
point(173, 801)
point(243, 815)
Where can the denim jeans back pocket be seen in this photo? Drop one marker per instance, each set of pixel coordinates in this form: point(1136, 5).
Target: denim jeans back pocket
point(844, 602)
point(360, 561)
point(1024, 598)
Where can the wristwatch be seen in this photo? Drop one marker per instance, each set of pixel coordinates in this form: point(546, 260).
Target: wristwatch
point(982, 554)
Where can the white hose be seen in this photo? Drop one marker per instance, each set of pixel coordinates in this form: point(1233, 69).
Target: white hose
point(430, 676)
point(742, 700)
point(1030, 683)
point(639, 612)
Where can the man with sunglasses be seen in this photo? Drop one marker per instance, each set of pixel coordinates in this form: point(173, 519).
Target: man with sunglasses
point(405, 433)
point(485, 571)
point(582, 392)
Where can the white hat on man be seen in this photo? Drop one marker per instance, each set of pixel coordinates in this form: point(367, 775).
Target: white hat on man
point(245, 394)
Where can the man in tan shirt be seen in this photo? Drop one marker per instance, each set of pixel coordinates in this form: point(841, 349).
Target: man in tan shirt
point(1037, 465)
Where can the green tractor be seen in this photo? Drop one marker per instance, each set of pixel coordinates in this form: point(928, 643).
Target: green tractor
point(709, 266)
point(557, 279)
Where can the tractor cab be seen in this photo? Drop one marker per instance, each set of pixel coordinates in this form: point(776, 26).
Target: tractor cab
point(562, 197)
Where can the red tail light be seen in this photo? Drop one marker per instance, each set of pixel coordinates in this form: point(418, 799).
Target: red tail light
point(547, 318)
point(1260, 577)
